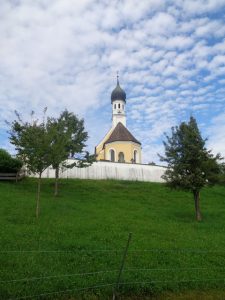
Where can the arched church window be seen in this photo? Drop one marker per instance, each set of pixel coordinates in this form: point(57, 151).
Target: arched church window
point(112, 155)
point(135, 156)
point(121, 157)
point(119, 105)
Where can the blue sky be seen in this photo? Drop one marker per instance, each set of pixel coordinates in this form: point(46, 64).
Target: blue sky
point(65, 54)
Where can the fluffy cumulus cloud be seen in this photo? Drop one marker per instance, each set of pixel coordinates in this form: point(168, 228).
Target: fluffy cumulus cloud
point(65, 54)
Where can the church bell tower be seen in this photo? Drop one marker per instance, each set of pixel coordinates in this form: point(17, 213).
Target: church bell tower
point(119, 145)
point(118, 101)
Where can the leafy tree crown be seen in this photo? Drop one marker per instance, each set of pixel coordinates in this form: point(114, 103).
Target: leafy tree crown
point(190, 165)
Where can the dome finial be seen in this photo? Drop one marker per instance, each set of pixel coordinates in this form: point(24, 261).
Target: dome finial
point(118, 93)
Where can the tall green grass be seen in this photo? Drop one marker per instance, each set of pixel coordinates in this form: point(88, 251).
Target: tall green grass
point(87, 227)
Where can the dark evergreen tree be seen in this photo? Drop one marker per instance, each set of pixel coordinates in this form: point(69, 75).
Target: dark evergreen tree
point(190, 165)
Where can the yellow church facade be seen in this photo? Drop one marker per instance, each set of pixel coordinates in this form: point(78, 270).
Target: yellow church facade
point(119, 145)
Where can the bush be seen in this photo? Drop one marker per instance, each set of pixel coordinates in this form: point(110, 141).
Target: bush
point(8, 164)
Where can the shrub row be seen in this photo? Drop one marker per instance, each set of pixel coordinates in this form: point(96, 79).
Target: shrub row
point(8, 164)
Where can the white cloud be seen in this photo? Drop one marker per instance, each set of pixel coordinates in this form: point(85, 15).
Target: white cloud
point(162, 24)
point(212, 28)
point(216, 134)
point(134, 10)
point(179, 42)
point(65, 53)
point(193, 7)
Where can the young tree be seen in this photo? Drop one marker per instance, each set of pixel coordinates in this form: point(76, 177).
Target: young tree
point(32, 141)
point(190, 165)
point(69, 137)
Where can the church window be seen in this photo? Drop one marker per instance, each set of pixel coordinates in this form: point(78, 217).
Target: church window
point(112, 155)
point(121, 157)
point(119, 105)
point(135, 156)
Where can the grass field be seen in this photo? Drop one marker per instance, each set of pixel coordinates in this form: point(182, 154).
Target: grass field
point(85, 231)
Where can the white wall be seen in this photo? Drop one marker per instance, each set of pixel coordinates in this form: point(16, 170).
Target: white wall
point(109, 170)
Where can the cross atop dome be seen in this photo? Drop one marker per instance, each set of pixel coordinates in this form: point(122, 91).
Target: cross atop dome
point(118, 93)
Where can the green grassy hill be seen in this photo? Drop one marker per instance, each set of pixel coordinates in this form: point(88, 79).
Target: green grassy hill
point(85, 229)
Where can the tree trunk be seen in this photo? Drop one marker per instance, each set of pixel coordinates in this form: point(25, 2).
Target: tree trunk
point(38, 196)
point(197, 205)
point(56, 181)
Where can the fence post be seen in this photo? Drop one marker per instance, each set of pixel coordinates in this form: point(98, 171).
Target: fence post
point(121, 267)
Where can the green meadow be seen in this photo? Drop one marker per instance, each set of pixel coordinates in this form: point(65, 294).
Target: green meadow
point(74, 250)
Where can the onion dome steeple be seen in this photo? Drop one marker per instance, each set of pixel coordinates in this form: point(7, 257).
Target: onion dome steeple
point(118, 93)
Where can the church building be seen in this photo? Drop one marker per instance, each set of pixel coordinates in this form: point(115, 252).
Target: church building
point(119, 145)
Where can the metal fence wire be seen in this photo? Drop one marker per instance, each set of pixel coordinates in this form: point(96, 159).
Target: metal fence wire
point(116, 285)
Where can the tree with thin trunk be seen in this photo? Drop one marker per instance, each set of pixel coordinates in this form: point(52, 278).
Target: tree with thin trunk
point(69, 137)
point(32, 142)
point(190, 165)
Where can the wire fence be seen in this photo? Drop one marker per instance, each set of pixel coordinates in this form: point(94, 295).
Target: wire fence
point(116, 274)
point(114, 250)
point(107, 271)
point(111, 285)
